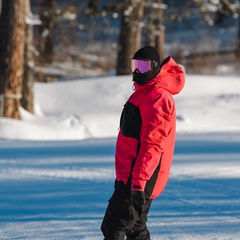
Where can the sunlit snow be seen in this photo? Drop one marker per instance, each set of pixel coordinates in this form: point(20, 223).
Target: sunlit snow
point(57, 166)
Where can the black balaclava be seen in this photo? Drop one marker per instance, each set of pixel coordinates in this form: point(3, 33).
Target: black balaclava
point(149, 53)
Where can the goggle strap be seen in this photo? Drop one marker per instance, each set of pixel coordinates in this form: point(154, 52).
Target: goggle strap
point(154, 64)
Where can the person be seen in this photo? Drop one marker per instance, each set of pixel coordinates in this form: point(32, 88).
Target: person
point(145, 145)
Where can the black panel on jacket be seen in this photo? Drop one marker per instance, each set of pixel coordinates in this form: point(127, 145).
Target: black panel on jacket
point(152, 181)
point(131, 121)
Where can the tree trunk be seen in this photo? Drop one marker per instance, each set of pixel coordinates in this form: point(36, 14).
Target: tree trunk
point(238, 38)
point(1, 68)
point(93, 6)
point(130, 34)
point(46, 14)
point(28, 77)
point(12, 32)
point(155, 26)
point(160, 31)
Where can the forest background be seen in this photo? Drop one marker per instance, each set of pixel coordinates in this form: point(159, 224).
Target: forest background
point(52, 40)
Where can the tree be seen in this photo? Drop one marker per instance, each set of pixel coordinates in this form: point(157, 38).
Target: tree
point(28, 77)
point(222, 9)
point(130, 33)
point(225, 9)
point(154, 13)
point(46, 14)
point(238, 40)
point(93, 6)
point(12, 32)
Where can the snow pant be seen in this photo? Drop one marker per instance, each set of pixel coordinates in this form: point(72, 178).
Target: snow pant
point(122, 218)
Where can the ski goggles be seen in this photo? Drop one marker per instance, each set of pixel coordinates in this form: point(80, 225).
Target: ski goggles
point(142, 65)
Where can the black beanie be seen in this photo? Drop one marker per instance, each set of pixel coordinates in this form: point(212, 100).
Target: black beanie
point(149, 53)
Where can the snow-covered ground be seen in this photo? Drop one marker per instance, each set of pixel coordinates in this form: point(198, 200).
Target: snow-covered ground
point(57, 166)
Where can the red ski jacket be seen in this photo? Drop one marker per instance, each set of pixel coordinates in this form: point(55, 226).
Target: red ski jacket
point(145, 143)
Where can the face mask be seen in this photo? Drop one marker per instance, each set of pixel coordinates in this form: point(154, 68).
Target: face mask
point(141, 78)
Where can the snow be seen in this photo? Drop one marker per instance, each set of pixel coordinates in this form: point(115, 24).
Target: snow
point(57, 166)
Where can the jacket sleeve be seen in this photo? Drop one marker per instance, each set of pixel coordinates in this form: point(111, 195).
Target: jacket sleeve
point(156, 125)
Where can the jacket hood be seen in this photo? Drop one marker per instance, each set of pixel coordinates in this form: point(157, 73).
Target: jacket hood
point(171, 78)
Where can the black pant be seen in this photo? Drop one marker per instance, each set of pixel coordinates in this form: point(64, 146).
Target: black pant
point(122, 218)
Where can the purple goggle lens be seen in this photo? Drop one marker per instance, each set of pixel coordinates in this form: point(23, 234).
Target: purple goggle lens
point(143, 66)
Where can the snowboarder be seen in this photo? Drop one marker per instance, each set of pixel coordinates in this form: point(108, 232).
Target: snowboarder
point(145, 145)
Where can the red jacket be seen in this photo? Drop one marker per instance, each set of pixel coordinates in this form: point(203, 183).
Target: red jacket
point(146, 138)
